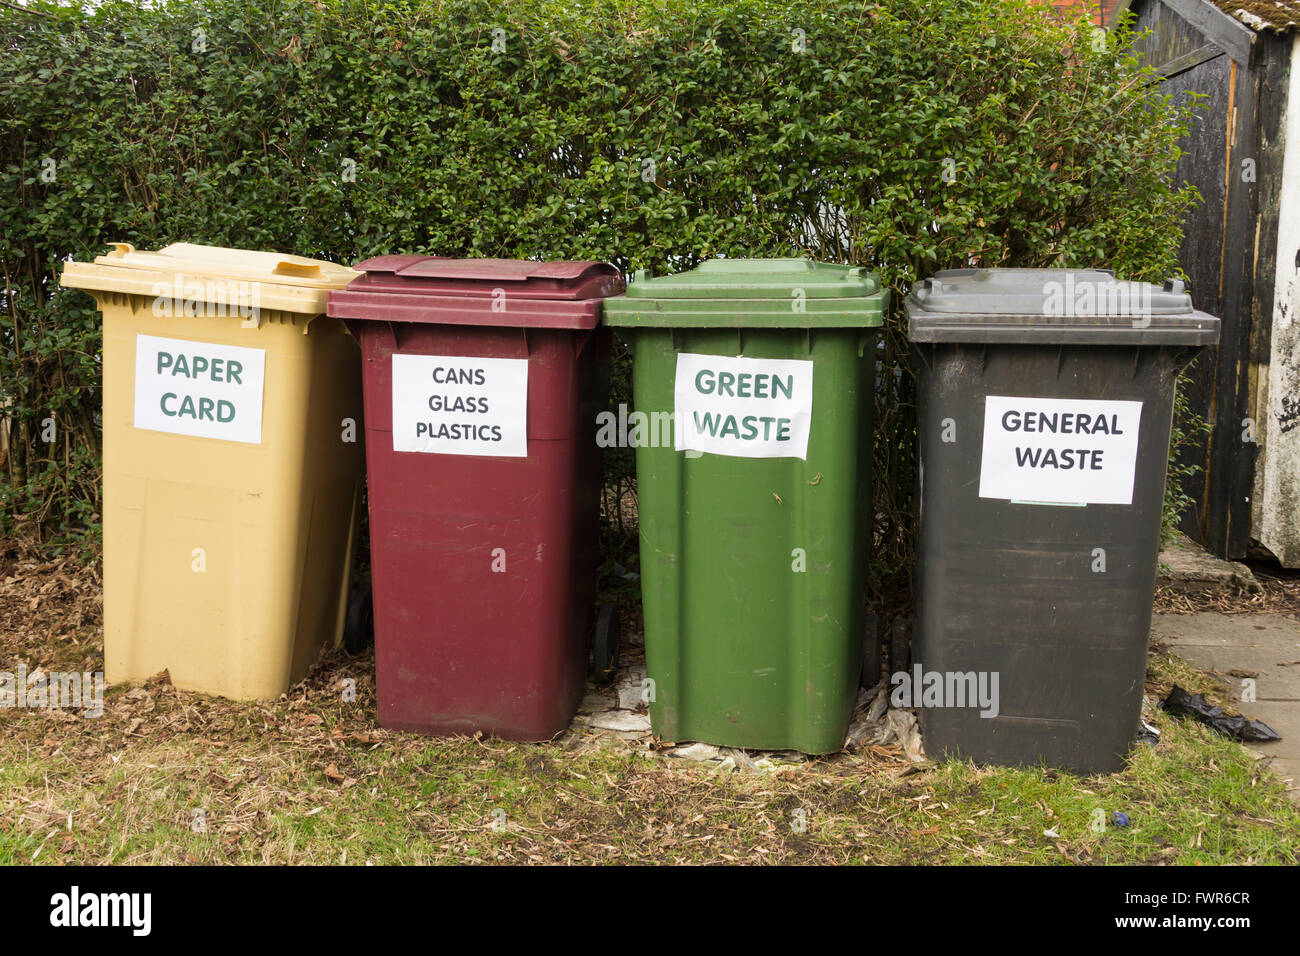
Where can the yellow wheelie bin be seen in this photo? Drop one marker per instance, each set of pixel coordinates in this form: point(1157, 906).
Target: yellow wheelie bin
point(233, 464)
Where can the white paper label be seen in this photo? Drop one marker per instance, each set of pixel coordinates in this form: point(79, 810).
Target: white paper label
point(199, 388)
point(743, 407)
point(1059, 451)
point(454, 405)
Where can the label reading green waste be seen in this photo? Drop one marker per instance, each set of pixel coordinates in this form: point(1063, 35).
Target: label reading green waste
point(199, 388)
point(743, 407)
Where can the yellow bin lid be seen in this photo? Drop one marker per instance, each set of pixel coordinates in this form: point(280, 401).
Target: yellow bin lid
point(212, 274)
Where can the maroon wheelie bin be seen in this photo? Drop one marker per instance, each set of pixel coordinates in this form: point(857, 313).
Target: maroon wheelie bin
point(483, 379)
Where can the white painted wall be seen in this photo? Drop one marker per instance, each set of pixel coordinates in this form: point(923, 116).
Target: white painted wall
point(1276, 508)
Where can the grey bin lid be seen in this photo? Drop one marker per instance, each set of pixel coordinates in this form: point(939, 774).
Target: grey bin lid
point(1053, 307)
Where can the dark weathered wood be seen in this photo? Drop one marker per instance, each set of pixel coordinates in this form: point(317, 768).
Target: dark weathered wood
point(1271, 74)
point(1225, 507)
point(1189, 60)
point(1170, 38)
point(1202, 164)
point(1229, 238)
point(1228, 33)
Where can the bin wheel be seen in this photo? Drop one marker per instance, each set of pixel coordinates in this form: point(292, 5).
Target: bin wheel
point(604, 644)
point(359, 627)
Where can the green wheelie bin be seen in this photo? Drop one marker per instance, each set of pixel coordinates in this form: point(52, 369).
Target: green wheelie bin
point(752, 384)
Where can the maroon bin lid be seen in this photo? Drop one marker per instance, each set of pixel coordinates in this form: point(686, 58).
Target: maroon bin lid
point(498, 292)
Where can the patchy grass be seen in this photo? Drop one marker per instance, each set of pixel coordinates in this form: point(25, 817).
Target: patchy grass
point(1165, 669)
point(166, 776)
point(307, 780)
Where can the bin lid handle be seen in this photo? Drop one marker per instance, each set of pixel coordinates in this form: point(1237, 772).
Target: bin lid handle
point(926, 286)
point(300, 270)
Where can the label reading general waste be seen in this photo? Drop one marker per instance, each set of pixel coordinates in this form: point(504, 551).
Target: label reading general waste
point(743, 407)
point(1059, 451)
point(199, 388)
point(454, 405)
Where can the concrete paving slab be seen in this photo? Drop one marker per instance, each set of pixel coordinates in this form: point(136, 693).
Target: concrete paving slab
point(1186, 566)
point(1235, 647)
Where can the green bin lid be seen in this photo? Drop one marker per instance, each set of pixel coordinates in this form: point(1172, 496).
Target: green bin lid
point(1054, 307)
point(753, 293)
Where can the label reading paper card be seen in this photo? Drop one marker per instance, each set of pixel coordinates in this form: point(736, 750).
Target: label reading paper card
point(199, 388)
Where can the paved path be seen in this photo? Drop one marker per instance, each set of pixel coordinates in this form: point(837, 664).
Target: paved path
point(1265, 647)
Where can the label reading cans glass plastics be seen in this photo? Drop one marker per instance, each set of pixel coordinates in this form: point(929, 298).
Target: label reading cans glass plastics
point(743, 407)
point(454, 405)
point(199, 388)
point(1059, 451)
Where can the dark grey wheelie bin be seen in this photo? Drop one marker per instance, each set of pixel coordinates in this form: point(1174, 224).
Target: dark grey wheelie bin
point(1045, 398)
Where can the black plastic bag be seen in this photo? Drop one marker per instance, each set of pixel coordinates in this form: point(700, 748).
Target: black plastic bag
point(1182, 704)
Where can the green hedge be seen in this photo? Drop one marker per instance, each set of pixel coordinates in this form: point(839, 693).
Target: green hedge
point(905, 135)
